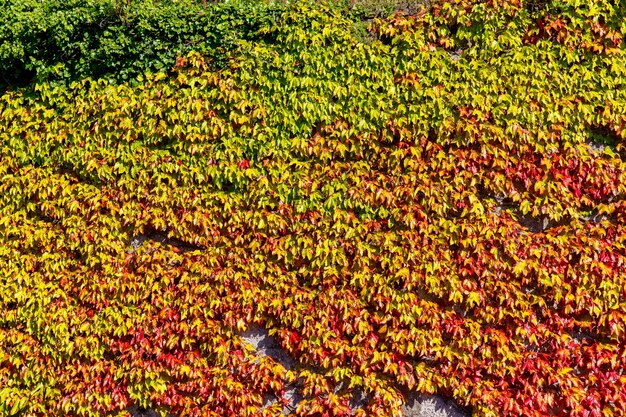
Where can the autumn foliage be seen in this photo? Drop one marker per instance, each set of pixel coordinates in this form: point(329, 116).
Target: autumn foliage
point(438, 209)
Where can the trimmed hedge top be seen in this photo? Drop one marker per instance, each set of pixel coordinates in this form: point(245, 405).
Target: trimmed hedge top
point(438, 210)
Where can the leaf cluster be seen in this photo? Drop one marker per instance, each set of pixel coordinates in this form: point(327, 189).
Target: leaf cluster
point(63, 41)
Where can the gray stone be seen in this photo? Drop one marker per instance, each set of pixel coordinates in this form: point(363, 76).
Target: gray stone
point(163, 238)
point(136, 241)
point(431, 406)
point(359, 399)
point(293, 397)
point(596, 148)
point(417, 405)
point(266, 345)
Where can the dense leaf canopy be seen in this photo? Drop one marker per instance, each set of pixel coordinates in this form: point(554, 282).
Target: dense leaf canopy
point(438, 209)
point(60, 41)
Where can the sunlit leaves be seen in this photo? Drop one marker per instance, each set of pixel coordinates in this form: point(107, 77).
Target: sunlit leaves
point(399, 217)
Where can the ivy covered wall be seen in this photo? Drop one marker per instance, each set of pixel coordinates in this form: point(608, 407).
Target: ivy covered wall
point(438, 208)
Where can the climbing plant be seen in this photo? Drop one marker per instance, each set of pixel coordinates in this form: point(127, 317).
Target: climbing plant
point(437, 210)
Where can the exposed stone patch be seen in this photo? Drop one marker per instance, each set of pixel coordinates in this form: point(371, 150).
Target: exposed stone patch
point(293, 397)
point(601, 137)
point(456, 54)
point(136, 241)
point(533, 224)
point(596, 148)
point(359, 400)
point(538, 224)
point(419, 405)
point(595, 218)
point(161, 236)
point(266, 345)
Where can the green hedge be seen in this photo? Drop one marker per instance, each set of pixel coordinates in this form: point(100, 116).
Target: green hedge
point(66, 40)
